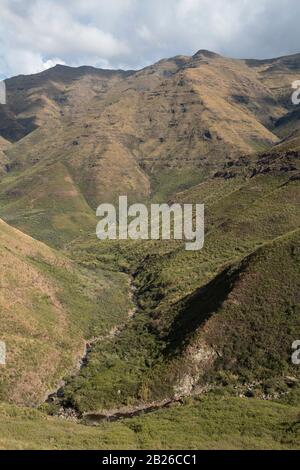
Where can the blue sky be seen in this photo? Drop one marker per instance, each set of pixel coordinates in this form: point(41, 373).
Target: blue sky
point(37, 34)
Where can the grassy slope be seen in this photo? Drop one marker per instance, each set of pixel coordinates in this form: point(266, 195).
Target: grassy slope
point(247, 319)
point(42, 300)
point(208, 423)
point(46, 203)
point(242, 215)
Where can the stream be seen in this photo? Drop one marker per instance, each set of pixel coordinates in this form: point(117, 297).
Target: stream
point(95, 418)
point(58, 394)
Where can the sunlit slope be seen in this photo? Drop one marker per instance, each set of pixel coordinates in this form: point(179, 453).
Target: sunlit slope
point(278, 75)
point(149, 133)
point(45, 202)
point(172, 124)
point(47, 308)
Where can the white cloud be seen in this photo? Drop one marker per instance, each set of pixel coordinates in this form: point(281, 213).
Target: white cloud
point(26, 62)
point(144, 33)
point(34, 34)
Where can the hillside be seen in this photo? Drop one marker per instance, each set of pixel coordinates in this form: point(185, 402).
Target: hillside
point(110, 328)
point(146, 134)
point(42, 297)
point(3, 159)
point(246, 214)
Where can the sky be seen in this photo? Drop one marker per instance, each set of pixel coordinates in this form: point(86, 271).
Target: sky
point(130, 34)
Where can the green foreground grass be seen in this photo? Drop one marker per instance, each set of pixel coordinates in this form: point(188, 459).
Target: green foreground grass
point(209, 422)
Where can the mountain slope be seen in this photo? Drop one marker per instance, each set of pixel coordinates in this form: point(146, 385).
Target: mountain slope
point(248, 318)
point(42, 297)
point(128, 133)
point(202, 129)
point(151, 359)
point(3, 159)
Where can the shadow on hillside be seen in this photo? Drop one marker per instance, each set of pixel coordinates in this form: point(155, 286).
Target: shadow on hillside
point(197, 308)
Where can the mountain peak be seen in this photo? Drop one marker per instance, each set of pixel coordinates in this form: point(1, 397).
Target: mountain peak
point(206, 53)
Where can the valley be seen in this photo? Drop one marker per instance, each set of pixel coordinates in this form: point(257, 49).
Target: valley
point(138, 344)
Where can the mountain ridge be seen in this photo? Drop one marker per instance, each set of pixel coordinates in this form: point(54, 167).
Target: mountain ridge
point(129, 131)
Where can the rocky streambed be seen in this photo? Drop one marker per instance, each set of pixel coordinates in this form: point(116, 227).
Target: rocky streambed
point(65, 410)
point(57, 396)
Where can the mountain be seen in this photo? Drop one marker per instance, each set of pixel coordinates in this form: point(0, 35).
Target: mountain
point(155, 326)
point(143, 133)
point(3, 159)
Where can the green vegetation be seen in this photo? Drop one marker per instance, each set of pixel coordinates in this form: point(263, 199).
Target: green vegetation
point(48, 307)
point(185, 301)
point(168, 182)
point(46, 203)
point(212, 422)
